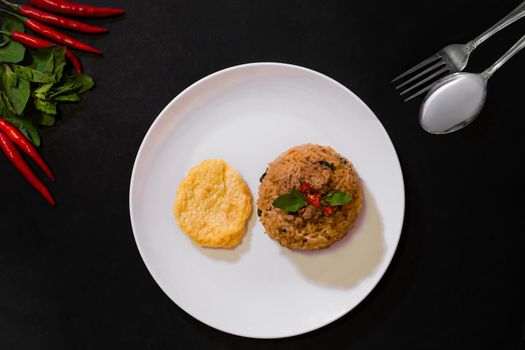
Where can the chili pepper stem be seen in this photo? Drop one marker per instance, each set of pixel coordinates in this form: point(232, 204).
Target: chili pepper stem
point(15, 7)
point(22, 18)
point(5, 42)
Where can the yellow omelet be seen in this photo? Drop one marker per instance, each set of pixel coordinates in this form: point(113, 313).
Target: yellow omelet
point(213, 204)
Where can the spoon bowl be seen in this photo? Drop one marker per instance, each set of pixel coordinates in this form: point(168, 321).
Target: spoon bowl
point(453, 103)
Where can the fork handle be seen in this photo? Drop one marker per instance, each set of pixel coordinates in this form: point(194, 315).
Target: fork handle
point(513, 16)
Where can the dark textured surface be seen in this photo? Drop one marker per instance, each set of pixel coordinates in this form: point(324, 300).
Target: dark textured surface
point(71, 276)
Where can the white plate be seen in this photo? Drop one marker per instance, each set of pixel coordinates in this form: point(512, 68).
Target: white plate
point(247, 115)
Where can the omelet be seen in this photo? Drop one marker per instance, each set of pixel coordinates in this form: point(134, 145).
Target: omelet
point(213, 205)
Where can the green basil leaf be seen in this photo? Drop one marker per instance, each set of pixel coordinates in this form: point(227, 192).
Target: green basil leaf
point(290, 202)
point(49, 60)
point(84, 80)
point(12, 24)
point(6, 108)
point(73, 97)
point(42, 91)
point(33, 75)
point(59, 54)
point(70, 87)
point(27, 128)
point(65, 89)
point(16, 89)
point(338, 198)
point(12, 52)
point(45, 106)
point(43, 60)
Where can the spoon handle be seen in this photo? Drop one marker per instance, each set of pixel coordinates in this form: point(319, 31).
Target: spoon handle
point(487, 73)
point(513, 16)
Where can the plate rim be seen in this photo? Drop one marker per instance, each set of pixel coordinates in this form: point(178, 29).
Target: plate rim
point(181, 95)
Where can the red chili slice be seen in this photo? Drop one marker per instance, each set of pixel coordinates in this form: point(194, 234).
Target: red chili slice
point(328, 210)
point(310, 195)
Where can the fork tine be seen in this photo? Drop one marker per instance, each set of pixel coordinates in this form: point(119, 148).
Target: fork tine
point(418, 66)
point(441, 71)
point(425, 89)
point(428, 70)
point(431, 76)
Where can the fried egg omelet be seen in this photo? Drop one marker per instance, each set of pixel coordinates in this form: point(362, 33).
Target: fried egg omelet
point(213, 204)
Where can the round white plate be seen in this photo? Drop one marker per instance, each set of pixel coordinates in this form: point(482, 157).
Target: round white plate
point(247, 115)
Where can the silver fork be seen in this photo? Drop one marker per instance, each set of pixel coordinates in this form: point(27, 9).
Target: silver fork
point(450, 59)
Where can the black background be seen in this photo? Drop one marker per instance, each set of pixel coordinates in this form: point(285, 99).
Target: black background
point(71, 277)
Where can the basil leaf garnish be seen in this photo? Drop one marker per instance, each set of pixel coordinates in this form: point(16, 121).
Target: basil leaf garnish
point(338, 198)
point(290, 202)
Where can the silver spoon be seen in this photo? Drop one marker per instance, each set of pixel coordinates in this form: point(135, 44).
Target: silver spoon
point(456, 100)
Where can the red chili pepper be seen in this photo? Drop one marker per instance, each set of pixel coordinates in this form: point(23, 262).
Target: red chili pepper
point(53, 34)
point(26, 146)
point(55, 20)
point(18, 161)
point(313, 199)
point(305, 186)
point(328, 210)
point(75, 9)
point(59, 37)
point(37, 43)
point(77, 66)
point(310, 195)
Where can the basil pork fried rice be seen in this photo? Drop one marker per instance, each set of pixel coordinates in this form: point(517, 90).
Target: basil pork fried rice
point(309, 227)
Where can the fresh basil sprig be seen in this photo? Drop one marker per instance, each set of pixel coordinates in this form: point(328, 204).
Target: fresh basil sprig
point(295, 200)
point(33, 83)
